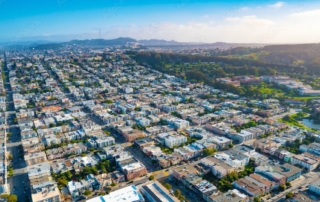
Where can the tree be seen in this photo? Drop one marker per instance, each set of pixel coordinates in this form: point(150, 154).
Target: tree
point(104, 170)
point(151, 177)
point(208, 151)
point(68, 174)
point(182, 198)
point(167, 186)
point(177, 193)
point(62, 182)
point(231, 145)
point(256, 199)
point(83, 154)
point(288, 184)
point(282, 187)
point(289, 195)
point(10, 198)
point(4, 195)
point(87, 192)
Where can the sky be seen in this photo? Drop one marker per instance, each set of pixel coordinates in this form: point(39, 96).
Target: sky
point(243, 21)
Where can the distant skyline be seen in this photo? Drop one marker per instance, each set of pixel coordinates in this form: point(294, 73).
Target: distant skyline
point(244, 21)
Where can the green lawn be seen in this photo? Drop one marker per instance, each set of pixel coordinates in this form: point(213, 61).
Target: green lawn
point(293, 121)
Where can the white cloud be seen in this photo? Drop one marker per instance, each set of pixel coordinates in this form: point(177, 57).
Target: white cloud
point(277, 5)
point(250, 20)
point(238, 29)
point(205, 16)
point(244, 8)
point(307, 14)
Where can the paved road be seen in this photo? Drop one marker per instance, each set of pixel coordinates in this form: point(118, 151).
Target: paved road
point(308, 178)
point(18, 184)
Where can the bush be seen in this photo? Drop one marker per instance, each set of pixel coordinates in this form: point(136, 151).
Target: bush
point(87, 192)
point(151, 177)
point(113, 184)
point(177, 193)
point(289, 195)
point(208, 151)
point(256, 199)
point(282, 187)
point(167, 186)
point(10, 198)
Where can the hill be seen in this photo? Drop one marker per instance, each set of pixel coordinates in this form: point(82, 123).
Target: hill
point(46, 46)
point(102, 42)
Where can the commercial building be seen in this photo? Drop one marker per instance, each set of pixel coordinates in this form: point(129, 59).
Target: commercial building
point(131, 167)
point(127, 194)
point(154, 191)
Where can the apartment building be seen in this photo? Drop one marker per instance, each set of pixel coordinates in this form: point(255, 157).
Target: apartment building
point(35, 158)
point(39, 173)
point(49, 193)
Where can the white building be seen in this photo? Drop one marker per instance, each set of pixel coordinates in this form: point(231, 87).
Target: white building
point(128, 194)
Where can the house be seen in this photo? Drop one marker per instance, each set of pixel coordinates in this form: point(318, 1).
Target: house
point(143, 122)
point(221, 142)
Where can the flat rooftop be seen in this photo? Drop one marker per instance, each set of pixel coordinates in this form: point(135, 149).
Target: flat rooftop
point(127, 194)
point(158, 193)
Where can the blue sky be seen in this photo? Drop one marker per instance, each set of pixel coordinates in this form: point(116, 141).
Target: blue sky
point(247, 21)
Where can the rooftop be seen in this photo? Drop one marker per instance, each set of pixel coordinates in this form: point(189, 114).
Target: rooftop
point(127, 194)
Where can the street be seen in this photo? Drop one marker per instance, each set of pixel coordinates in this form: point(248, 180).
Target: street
point(18, 184)
point(303, 181)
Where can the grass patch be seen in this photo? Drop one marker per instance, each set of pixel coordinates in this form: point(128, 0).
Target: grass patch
point(306, 98)
point(293, 120)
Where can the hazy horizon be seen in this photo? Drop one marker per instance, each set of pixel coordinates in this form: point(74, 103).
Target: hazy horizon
point(267, 22)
